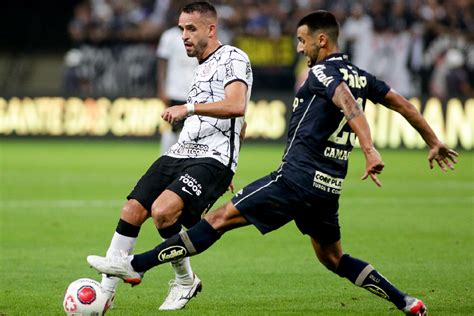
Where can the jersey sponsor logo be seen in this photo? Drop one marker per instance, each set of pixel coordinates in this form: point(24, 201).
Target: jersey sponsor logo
point(229, 71)
point(170, 253)
point(192, 149)
point(297, 101)
point(191, 185)
point(318, 72)
point(248, 70)
point(336, 153)
point(353, 79)
point(327, 183)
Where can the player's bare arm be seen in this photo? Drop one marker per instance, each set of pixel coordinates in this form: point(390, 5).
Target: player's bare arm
point(356, 119)
point(439, 152)
point(233, 105)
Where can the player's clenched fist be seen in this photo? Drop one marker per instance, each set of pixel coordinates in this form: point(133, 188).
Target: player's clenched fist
point(174, 114)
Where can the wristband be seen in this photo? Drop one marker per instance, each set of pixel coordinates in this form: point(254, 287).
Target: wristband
point(190, 108)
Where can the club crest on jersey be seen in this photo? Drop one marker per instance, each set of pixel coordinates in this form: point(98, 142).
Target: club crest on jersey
point(318, 72)
point(207, 70)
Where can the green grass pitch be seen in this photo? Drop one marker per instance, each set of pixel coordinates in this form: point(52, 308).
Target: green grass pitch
point(60, 201)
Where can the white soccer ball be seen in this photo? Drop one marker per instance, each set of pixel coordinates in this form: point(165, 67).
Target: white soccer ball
point(85, 297)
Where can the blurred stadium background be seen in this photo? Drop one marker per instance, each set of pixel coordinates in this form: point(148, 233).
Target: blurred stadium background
point(76, 70)
point(88, 67)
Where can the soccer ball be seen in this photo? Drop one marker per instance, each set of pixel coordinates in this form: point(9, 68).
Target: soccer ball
point(85, 297)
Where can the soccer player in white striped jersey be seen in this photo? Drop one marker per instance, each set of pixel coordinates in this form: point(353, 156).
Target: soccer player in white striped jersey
point(186, 181)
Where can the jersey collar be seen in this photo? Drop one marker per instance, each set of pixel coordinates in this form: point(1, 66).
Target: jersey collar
point(208, 56)
point(336, 56)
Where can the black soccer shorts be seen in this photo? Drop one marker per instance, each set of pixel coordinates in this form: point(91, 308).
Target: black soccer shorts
point(270, 202)
point(198, 181)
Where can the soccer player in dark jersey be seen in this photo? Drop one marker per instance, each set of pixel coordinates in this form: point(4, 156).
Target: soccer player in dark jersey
point(327, 116)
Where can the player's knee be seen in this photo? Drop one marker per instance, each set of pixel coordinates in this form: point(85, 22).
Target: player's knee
point(134, 213)
point(163, 217)
point(225, 218)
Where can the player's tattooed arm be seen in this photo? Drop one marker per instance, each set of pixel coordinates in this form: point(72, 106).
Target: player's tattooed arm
point(344, 99)
point(356, 119)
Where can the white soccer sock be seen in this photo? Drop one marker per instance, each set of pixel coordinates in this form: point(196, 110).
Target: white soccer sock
point(182, 269)
point(118, 245)
point(183, 272)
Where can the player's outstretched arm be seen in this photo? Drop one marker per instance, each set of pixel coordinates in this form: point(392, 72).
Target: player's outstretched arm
point(233, 105)
point(439, 152)
point(356, 119)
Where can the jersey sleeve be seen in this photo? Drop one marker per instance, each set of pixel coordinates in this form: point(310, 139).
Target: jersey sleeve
point(324, 79)
point(236, 67)
point(377, 89)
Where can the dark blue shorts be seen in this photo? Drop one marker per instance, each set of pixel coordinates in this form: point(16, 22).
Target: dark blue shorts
point(270, 202)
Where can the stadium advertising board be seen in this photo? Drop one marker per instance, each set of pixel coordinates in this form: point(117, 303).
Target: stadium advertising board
point(453, 120)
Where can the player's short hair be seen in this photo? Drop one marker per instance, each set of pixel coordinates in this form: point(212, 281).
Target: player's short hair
point(321, 21)
point(203, 7)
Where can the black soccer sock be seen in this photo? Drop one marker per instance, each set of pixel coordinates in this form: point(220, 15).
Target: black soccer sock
point(364, 275)
point(127, 229)
point(185, 244)
point(168, 232)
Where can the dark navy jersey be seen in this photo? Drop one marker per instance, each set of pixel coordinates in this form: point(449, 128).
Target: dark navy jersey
point(319, 138)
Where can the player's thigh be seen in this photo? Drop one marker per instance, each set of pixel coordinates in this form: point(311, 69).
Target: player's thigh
point(319, 218)
point(267, 203)
point(199, 185)
point(155, 180)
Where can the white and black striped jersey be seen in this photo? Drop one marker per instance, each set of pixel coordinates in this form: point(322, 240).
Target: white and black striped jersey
point(204, 136)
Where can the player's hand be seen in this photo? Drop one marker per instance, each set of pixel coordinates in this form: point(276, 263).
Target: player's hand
point(231, 187)
point(174, 114)
point(444, 157)
point(373, 166)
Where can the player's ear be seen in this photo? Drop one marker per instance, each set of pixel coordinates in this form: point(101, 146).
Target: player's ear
point(212, 30)
point(323, 39)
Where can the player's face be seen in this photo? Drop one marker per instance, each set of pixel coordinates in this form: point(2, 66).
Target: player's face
point(308, 44)
point(195, 33)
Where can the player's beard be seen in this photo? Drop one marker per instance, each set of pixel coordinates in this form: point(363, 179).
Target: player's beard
point(312, 57)
point(197, 49)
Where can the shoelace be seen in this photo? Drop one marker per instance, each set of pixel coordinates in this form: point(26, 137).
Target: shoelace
point(172, 286)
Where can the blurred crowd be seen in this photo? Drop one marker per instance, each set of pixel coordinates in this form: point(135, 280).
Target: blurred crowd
point(421, 47)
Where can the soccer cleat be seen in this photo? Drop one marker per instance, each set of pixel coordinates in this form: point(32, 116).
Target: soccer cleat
point(415, 307)
point(179, 295)
point(118, 266)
